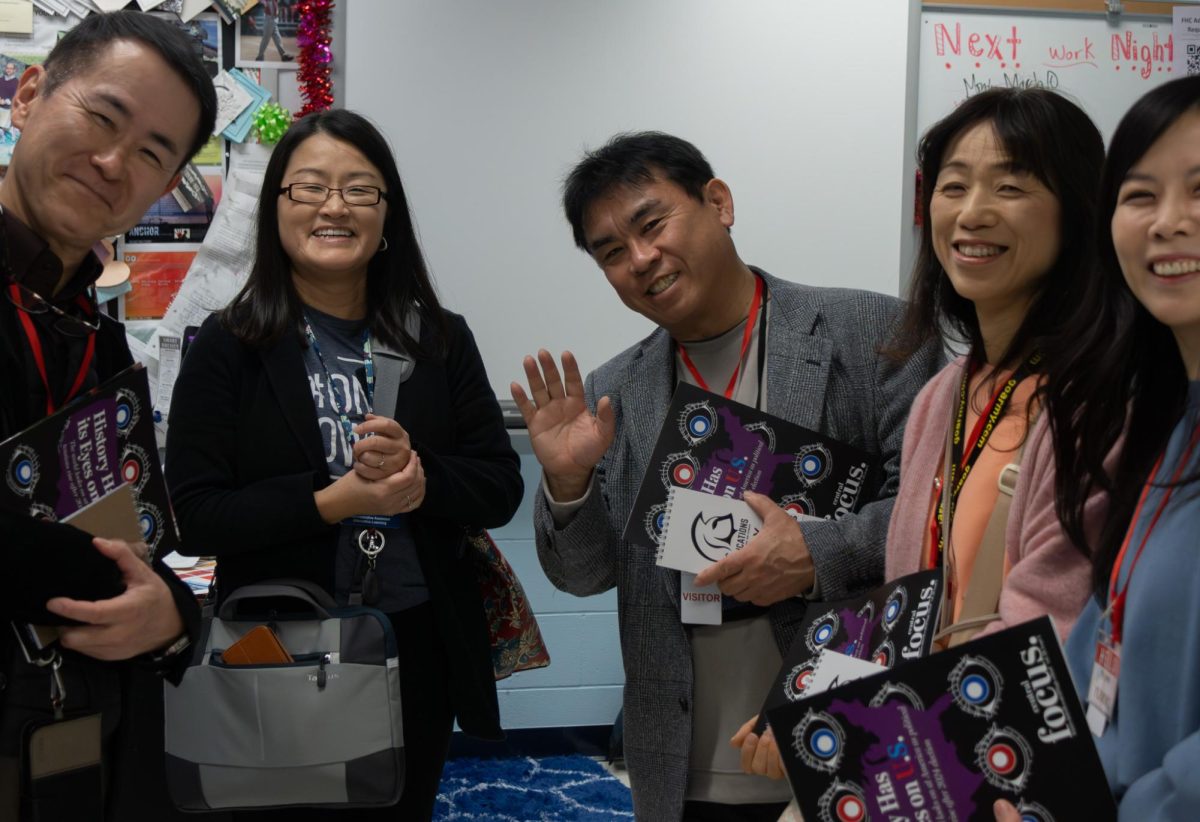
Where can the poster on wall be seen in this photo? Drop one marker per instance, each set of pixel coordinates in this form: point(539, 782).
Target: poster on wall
point(182, 215)
point(17, 54)
point(266, 34)
point(156, 274)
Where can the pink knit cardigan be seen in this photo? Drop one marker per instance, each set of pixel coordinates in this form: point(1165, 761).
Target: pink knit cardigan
point(1048, 575)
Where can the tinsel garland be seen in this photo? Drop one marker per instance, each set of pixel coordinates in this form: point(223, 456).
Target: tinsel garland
point(313, 39)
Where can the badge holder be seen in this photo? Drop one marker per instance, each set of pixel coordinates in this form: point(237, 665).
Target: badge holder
point(370, 544)
point(61, 762)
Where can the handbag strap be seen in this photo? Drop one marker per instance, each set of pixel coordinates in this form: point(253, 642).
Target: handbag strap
point(981, 599)
point(311, 595)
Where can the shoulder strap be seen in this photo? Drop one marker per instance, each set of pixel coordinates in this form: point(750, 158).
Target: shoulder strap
point(981, 600)
point(393, 367)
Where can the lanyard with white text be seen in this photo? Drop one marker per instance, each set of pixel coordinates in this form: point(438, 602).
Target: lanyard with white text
point(1106, 667)
point(961, 463)
point(755, 316)
point(341, 405)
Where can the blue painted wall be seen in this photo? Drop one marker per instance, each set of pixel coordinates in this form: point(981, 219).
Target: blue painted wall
point(583, 683)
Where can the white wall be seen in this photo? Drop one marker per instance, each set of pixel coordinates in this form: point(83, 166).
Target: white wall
point(805, 109)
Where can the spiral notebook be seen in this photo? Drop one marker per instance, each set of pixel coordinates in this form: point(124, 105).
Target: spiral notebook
point(700, 529)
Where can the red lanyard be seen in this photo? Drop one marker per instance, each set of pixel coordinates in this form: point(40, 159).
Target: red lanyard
point(963, 459)
point(1116, 601)
point(35, 347)
point(750, 323)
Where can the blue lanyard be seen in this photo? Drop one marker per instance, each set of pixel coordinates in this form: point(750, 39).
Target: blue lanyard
point(341, 405)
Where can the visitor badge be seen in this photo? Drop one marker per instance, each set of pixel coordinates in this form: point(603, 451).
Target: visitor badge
point(698, 605)
point(1102, 690)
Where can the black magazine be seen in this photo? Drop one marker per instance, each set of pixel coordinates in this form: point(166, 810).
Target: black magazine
point(943, 737)
point(718, 446)
point(892, 624)
point(70, 459)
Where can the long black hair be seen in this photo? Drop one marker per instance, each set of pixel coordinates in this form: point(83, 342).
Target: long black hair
point(1048, 136)
point(1125, 373)
point(269, 307)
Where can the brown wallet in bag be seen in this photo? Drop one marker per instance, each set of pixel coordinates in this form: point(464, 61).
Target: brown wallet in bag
point(257, 647)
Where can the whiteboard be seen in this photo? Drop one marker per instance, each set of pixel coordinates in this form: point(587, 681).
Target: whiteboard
point(805, 110)
point(1101, 66)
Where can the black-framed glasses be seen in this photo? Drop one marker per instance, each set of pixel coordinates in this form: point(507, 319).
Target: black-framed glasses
point(66, 324)
point(315, 194)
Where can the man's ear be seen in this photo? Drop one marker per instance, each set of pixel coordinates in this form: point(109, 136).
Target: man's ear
point(718, 195)
point(30, 87)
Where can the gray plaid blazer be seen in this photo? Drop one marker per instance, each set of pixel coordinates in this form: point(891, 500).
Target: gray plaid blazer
point(824, 372)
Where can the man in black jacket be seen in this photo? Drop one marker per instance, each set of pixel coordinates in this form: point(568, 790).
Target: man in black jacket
point(107, 124)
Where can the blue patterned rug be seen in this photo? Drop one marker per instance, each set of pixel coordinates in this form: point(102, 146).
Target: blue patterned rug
point(531, 790)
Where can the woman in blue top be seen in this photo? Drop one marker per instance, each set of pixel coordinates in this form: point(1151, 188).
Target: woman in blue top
point(1138, 372)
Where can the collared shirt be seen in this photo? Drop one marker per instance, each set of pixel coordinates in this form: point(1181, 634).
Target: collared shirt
point(29, 261)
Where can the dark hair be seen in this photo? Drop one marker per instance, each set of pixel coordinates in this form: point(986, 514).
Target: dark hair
point(1125, 374)
point(1051, 138)
point(82, 46)
point(632, 159)
point(268, 306)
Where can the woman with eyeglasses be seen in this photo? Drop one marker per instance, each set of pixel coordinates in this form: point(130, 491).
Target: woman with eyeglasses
point(281, 465)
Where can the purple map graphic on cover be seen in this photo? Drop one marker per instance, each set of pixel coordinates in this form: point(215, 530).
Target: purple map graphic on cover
point(910, 743)
point(748, 465)
point(717, 446)
point(858, 633)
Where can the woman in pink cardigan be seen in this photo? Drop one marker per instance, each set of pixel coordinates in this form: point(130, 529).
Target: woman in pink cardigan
point(1006, 251)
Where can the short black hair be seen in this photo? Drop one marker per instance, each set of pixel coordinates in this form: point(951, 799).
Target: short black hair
point(83, 45)
point(632, 159)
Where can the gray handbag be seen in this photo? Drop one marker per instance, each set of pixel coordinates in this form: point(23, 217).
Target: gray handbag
point(323, 730)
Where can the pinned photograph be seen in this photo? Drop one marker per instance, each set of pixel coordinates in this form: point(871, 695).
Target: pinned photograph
point(184, 214)
point(266, 34)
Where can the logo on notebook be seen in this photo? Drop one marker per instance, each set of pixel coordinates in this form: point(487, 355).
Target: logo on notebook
point(135, 466)
point(680, 469)
point(697, 422)
point(1033, 812)
point(822, 632)
point(655, 522)
point(713, 537)
point(894, 607)
point(812, 464)
point(797, 680)
point(975, 684)
point(1003, 757)
point(897, 693)
point(150, 520)
point(24, 471)
point(885, 654)
point(842, 802)
point(818, 741)
point(797, 506)
point(128, 411)
point(767, 433)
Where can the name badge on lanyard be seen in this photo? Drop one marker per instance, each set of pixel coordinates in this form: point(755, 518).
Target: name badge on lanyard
point(1102, 689)
point(698, 605)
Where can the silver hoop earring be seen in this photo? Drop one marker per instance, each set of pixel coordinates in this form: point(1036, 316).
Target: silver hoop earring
point(383, 245)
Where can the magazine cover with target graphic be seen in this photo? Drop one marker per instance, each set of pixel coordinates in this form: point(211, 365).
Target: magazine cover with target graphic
point(717, 446)
point(85, 451)
point(943, 737)
point(893, 623)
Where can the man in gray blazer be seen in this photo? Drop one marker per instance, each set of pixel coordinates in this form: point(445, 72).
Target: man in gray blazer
point(649, 210)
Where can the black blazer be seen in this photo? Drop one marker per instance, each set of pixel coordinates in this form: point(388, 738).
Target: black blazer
point(244, 457)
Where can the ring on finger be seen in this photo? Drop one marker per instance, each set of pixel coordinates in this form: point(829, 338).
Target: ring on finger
point(382, 460)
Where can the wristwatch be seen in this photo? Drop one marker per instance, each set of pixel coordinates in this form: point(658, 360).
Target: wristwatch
point(171, 651)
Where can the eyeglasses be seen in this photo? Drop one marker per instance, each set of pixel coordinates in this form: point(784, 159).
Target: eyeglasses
point(315, 194)
point(66, 324)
